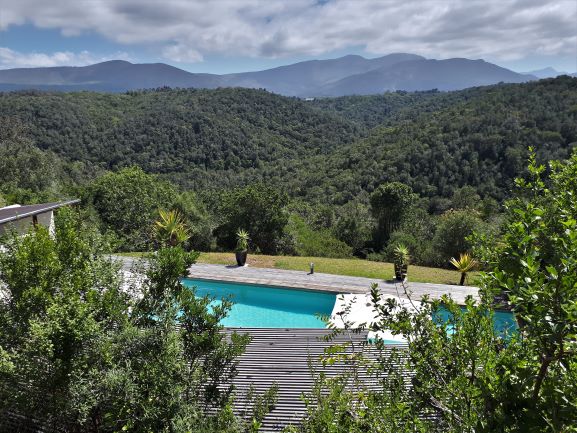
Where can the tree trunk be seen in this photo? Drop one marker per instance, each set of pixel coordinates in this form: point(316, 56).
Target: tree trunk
point(462, 282)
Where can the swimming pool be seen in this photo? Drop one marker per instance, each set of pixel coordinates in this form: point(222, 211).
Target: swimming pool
point(257, 306)
point(504, 322)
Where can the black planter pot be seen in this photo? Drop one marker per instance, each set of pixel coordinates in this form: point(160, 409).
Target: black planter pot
point(404, 269)
point(241, 257)
point(400, 272)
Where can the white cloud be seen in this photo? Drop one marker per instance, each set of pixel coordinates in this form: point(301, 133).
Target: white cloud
point(185, 30)
point(182, 54)
point(15, 59)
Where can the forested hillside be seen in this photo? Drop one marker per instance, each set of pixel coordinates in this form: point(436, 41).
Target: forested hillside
point(201, 138)
point(351, 175)
point(329, 150)
point(476, 137)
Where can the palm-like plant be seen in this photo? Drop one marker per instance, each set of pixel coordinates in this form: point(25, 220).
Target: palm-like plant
point(242, 240)
point(464, 264)
point(401, 254)
point(170, 229)
point(401, 259)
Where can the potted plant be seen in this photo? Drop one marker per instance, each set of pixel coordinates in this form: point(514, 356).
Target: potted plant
point(401, 261)
point(241, 249)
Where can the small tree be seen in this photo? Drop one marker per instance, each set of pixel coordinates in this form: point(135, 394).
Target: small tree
point(260, 210)
point(127, 203)
point(170, 229)
point(452, 232)
point(465, 264)
point(78, 353)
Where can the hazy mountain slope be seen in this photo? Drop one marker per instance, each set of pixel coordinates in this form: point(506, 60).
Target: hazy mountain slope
point(304, 78)
point(450, 74)
point(115, 75)
point(199, 137)
point(477, 137)
point(334, 77)
point(545, 73)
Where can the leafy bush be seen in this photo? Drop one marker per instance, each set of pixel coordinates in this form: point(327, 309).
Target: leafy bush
point(317, 243)
point(77, 352)
point(260, 209)
point(453, 229)
point(127, 203)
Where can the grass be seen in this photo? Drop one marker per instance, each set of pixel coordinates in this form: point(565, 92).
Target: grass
point(351, 267)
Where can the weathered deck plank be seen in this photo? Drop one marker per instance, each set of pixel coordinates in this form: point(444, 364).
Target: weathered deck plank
point(282, 356)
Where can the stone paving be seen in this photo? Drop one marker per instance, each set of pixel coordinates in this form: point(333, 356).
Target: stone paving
point(327, 282)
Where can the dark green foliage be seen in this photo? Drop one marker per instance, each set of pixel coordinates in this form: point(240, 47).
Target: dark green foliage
point(476, 137)
point(200, 138)
point(29, 175)
point(259, 209)
point(453, 229)
point(390, 203)
point(354, 226)
point(315, 243)
point(127, 202)
point(79, 353)
point(373, 110)
point(199, 221)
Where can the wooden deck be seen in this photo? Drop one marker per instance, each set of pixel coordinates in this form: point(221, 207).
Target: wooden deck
point(282, 356)
point(325, 282)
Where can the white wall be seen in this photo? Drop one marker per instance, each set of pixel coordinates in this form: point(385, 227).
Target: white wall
point(22, 226)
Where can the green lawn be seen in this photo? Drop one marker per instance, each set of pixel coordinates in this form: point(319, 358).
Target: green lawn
point(352, 267)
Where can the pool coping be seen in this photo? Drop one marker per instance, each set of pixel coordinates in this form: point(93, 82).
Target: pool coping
point(268, 283)
point(337, 284)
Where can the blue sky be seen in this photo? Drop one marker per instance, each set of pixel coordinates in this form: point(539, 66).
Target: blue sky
point(224, 36)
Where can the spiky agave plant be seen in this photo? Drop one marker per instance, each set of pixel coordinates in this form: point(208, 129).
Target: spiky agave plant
point(242, 240)
point(401, 254)
point(170, 229)
point(464, 264)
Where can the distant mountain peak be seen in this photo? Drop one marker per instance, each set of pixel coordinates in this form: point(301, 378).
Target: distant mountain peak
point(349, 74)
point(547, 72)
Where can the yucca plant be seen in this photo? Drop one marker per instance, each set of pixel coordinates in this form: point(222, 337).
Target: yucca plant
point(170, 229)
point(464, 264)
point(241, 249)
point(401, 259)
point(242, 240)
point(401, 254)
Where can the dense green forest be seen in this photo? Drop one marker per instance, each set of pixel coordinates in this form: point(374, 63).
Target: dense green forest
point(328, 150)
point(226, 158)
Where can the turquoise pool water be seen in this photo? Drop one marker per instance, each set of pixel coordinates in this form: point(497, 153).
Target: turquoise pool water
point(503, 321)
point(257, 306)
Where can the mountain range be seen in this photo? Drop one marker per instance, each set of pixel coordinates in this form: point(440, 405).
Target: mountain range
point(346, 75)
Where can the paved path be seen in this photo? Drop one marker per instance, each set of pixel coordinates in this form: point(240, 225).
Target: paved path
point(328, 282)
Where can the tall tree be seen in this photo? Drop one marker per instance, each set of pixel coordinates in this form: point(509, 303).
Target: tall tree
point(390, 202)
point(258, 208)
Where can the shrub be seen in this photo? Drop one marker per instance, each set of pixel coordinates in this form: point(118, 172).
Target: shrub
point(453, 229)
point(127, 203)
point(260, 210)
point(317, 243)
